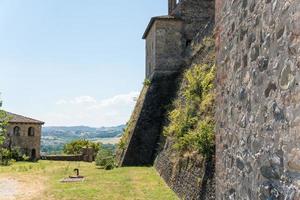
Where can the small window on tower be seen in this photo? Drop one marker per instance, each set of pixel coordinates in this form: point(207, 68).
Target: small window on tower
point(31, 131)
point(17, 131)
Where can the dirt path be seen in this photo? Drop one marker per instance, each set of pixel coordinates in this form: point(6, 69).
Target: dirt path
point(12, 188)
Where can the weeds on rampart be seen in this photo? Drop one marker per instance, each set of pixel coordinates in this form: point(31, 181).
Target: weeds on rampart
point(191, 122)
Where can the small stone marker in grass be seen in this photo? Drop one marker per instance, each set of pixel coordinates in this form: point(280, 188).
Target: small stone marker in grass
point(76, 178)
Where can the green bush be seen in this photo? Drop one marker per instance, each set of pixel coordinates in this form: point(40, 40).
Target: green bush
point(110, 164)
point(16, 154)
point(5, 153)
point(200, 138)
point(147, 82)
point(105, 158)
point(25, 158)
point(5, 156)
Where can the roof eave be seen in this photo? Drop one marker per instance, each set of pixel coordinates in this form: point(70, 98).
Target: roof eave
point(153, 19)
point(148, 28)
point(16, 118)
point(16, 122)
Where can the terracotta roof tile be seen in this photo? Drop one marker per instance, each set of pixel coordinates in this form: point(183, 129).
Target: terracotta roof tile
point(21, 119)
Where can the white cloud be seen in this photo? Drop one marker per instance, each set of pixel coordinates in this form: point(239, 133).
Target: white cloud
point(83, 99)
point(77, 100)
point(122, 99)
point(86, 110)
point(61, 102)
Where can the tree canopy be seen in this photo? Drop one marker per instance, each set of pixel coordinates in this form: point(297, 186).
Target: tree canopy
point(5, 152)
point(76, 146)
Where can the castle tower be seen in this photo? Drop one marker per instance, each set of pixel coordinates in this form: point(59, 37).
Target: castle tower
point(164, 47)
point(172, 4)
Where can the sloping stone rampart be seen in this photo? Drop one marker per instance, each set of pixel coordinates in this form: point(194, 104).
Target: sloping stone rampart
point(147, 121)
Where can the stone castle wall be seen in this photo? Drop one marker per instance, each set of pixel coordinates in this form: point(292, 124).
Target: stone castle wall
point(191, 177)
point(258, 106)
point(87, 155)
point(63, 157)
point(196, 14)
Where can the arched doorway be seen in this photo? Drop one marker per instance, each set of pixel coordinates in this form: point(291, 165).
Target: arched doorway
point(33, 155)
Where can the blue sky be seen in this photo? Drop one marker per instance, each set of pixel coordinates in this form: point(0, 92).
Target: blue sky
point(73, 62)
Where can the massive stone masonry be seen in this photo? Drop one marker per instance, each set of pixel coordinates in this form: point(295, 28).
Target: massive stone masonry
point(258, 104)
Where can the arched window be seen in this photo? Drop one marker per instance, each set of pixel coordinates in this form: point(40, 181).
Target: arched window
point(31, 131)
point(17, 131)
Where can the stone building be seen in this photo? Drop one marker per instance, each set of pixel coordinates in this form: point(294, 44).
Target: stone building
point(25, 133)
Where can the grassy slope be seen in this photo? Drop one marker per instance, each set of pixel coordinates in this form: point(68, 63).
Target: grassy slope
point(121, 183)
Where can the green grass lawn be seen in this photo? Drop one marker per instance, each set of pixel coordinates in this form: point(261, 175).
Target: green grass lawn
point(118, 184)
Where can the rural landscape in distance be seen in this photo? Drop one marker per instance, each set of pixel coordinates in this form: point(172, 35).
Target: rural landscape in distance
point(143, 100)
point(54, 138)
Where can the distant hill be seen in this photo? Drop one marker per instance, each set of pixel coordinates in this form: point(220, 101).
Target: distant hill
point(54, 137)
point(83, 131)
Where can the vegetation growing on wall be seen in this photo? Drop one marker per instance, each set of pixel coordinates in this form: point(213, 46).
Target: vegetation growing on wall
point(147, 82)
point(124, 138)
point(191, 122)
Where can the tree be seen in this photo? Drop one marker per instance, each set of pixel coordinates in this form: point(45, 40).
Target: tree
point(5, 153)
point(76, 146)
point(105, 158)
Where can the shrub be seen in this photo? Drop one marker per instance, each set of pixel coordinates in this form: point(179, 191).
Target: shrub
point(16, 154)
point(110, 164)
point(205, 137)
point(105, 158)
point(201, 138)
point(147, 82)
point(5, 153)
point(5, 157)
point(25, 158)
